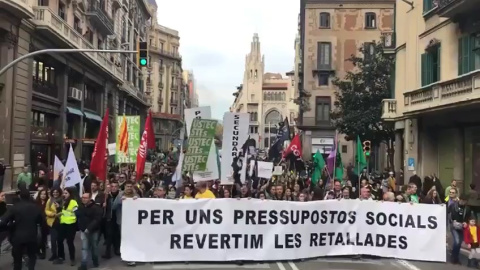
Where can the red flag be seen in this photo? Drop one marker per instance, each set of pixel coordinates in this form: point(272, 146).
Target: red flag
point(151, 132)
point(295, 147)
point(98, 165)
point(142, 149)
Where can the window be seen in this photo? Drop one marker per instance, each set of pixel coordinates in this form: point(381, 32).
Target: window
point(322, 110)
point(431, 65)
point(61, 11)
point(255, 74)
point(77, 24)
point(43, 3)
point(428, 5)
point(252, 96)
point(324, 56)
point(43, 73)
point(370, 20)
point(344, 149)
point(161, 45)
point(173, 82)
point(468, 54)
point(173, 110)
point(323, 79)
point(324, 20)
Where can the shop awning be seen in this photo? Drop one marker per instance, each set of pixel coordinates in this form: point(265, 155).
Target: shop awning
point(74, 111)
point(93, 116)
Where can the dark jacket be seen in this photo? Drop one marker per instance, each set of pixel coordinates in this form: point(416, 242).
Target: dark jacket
point(458, 213)
point(89, 217)
point(27, 216)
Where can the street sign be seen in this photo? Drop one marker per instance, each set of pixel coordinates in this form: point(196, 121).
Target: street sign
point(411, 164)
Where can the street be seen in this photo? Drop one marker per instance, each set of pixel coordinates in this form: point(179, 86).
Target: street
point(337, 263)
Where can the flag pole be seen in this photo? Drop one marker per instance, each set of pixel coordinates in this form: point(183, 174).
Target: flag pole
point(336, 152)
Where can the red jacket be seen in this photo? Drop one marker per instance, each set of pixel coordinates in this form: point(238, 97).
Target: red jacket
point(467, 237)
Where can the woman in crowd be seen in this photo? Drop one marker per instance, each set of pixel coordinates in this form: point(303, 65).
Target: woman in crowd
point(53, 221)
point(68, 226)
point(42, 199)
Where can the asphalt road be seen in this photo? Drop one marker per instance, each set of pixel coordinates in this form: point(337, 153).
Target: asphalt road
point(313, 264)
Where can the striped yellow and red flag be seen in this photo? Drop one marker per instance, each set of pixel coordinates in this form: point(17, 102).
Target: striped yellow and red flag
point(122, 139)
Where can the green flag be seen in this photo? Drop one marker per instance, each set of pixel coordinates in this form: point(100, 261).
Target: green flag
point(338, 173)
point(360, 159)
point(318, 165)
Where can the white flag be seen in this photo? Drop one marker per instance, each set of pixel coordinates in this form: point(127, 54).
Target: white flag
point(177, 176)
point(58, 168)
point(72, 174)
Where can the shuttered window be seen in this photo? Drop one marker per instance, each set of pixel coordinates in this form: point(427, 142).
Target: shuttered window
point(431, 65)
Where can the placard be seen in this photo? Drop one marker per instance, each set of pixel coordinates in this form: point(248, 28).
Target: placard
point(200, 141)
point(268, 230)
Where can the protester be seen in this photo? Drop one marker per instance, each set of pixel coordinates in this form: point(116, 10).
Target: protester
point(27, 217)
point(471, 234)
point(68, 226)
point(457, 218)
point(53, 220)
point(41, 201)
point(89, 216)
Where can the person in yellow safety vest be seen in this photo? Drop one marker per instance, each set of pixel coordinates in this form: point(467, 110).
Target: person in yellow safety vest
point(68, 225)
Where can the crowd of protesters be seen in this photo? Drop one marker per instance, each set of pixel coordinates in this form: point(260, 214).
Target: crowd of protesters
point(96, 214)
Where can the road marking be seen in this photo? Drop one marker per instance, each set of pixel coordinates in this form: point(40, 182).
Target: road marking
point(280, 266)
point(407, 265)
point(211, 266)
point(293, 266)
point(361, 261)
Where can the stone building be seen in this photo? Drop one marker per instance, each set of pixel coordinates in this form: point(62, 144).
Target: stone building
point(268, 97)
point(53, 100)
point(330, 32)
point(164, 83)
point(437, 82)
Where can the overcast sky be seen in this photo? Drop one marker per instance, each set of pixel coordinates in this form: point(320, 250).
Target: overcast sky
point(215, 37)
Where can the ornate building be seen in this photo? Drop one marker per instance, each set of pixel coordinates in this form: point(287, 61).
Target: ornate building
point(53, 100)
point(164, 84)
point(268, 97)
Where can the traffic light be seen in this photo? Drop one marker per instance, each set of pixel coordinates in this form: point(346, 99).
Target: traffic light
point(142, 54)
point(367, 147)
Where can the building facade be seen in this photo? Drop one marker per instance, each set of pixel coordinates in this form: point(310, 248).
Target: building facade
point(268, 97)
point(191, 95)
point(56, 100)
point(437, 82)
point(164, 83)
point(330, 32)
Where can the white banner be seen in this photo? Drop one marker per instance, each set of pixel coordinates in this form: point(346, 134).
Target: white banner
point(265, 169)
point(264, 230)
point(211, 172)
point(235, 133)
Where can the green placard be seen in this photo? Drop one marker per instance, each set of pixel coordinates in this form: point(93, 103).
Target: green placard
point(200, 140)
point(133, 128)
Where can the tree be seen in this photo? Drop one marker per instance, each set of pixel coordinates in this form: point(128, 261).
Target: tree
point(358, 106)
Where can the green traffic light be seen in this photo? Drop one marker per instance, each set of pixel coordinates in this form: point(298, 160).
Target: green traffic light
point(367, 154)
point(143, 62)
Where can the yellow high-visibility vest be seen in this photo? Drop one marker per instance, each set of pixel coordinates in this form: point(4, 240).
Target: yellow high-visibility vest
point(68, 215)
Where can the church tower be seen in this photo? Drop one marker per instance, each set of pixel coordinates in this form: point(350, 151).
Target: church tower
point(254, 66)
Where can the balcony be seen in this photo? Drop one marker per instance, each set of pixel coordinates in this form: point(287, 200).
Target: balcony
point(312, 123)
point(388, 41)
point(174, 101)
point(20, 8)
point(465, 88)
point(149, 90)
point(160, 85)
point(99, 18)
point(163, 52)
point(160, 100)
point(389, 109)
point(50, 90)
point(455, 8)
point(174, 87)
point(46, 134)
point(55, 28)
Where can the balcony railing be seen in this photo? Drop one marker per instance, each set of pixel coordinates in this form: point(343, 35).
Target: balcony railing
point(44, 133)
point(455, 8)
point(461, 89)
point(174, 55)
point(100, 19)
point(174, 101)
point(389, 109)
point(313, 122)
point(45, 88)
point(20, 8)
point(160, 85)
point(174, 87)
point(160, 100)
point(46, 19)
